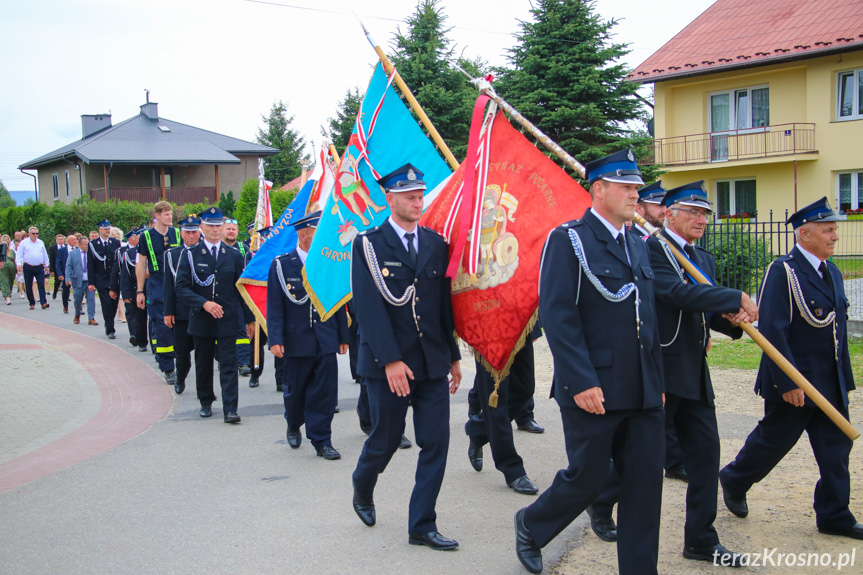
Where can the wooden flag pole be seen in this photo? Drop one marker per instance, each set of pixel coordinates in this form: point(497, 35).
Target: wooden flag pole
point(764, 344)
point(257, 345)
point(388, 68)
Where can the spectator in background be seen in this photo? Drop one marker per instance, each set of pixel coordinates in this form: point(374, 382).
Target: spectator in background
point(7, 268)
point(92, 236)
point(57, 256)
point(19, 277)
point(117, 234)
point(32, 262)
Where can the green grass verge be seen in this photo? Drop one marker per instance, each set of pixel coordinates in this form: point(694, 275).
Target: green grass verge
point(745, 354)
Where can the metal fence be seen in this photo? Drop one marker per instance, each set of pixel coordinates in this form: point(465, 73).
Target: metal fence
point(744, 248)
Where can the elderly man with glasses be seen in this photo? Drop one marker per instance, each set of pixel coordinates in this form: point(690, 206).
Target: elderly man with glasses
point(32, 260)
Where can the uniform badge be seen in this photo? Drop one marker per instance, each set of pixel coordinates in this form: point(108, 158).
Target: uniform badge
point(819, 312)
point(412, 175)
point(288, 286)
point(385, 272)
point(629, 156)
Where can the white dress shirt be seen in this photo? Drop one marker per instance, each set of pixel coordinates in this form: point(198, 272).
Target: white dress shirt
point(812, 259)
point(613, 231)
point(31, 253)
point(303, 254)
point(401, 233)
point(211, 246)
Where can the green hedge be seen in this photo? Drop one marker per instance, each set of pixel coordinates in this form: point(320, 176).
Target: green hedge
point(84, 215)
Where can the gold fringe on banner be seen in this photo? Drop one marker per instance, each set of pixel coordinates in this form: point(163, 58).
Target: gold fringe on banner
point(323, 313)
point(262, 321)
point(500, 375)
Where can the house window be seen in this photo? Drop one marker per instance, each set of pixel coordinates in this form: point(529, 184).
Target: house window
point(849, 196)
point(68, 185)
point(735, 197)
point(56, 181)
point(850, 95)
point(733, 111)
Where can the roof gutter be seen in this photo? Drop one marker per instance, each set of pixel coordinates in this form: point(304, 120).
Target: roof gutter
point(743, 65)
point(35, 185)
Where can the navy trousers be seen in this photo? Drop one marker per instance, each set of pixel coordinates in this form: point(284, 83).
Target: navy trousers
point(310, 395)
point(136, 319)
point(775, 435)
point(430, 403)
point(37, 272)
point(109, 309)
point(164, 336)
point(494, 425)
point(183, 346)
point(634, 439)
point(205, 350)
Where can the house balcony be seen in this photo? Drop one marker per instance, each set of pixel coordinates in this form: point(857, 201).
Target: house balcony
point(176, 195)
point(735, 145)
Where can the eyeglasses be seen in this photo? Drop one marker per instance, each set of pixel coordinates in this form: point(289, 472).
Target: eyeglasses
point(229, 221)
point(34, 233)
point(696, 213)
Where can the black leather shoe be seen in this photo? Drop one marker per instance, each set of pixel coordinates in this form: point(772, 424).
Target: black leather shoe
point(434, 540)
point(206, 411)
point(405, 443)
point(602, 525)
point(526, 549)
point(474, 455)
point(294, 438)
point(142, 348)
point(171, 377)
point(112, 335)
point(280, 388)
point(232, 417)
point(254, 381)
point(523, 485)
point(718, 555)
point(679, 473)
point(366, 427)
point(133, 341)
point(245, 370)
point(531, 427)
point(179, 387)
point(736, 505)
point(329, 453)
point(854, 532)
point(365, 508)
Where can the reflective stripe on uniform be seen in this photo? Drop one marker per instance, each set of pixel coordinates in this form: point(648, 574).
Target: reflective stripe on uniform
point(168, 349)
point(239, 341)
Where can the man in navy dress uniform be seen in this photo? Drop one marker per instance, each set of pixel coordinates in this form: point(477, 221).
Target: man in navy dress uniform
point(686, 312)
point(123, 286)
point(278, 362)
point(406, 350)
point(308, 345)
point(103, 254)
point(803, 312)
point(230, 230)
point(176, 312)
point(150, 274)
point(206, 283)
point(596, 304)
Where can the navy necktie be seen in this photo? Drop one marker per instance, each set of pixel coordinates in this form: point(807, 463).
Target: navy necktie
point(412, 251)
point(213, 251)
point(825, 273)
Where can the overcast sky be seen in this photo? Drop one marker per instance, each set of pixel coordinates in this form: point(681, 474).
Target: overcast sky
point(220, 64)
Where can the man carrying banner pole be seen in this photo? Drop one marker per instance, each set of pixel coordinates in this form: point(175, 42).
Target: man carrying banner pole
point(407, 349)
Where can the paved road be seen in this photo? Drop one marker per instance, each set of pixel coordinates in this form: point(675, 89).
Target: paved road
point(104, 470)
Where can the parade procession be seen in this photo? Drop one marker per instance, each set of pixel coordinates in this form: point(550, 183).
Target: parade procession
point(628, 289)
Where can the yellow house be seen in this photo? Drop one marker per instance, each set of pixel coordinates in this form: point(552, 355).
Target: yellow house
point(763, 99)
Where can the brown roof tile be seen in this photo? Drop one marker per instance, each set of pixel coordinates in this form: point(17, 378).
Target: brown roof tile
point(749, 32)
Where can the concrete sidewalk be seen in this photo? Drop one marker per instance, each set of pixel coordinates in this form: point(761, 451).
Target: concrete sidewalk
point(155, 489)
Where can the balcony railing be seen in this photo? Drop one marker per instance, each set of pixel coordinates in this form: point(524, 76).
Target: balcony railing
point(177, 195)
point(731, 145)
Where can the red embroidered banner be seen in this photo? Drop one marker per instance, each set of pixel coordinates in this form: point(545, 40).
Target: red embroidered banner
point(525, 197)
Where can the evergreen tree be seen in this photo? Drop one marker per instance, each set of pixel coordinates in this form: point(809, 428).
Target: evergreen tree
point(564, 77)
point(342, 125)
point(421, 57)
point(277, 133)
point(6, 200)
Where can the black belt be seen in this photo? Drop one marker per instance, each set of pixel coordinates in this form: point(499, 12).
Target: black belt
point(30, 266)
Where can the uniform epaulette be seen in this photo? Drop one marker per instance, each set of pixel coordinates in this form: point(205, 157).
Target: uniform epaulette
point(432, 230)
point(370, 231)
point(570, 224)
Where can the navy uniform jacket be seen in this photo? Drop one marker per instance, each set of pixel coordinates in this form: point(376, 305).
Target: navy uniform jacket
point(99, 272)
point(116, 283)
point(389, 333)
point(809, 349)
point(126, 267)
point(298, 326)
point(173, 306)
point(683, 311)
point(160, 245)
point(595, 342)
point(223, 291)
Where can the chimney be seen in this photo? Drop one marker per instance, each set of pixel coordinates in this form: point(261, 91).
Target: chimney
point(151, 110)
point(92, 123)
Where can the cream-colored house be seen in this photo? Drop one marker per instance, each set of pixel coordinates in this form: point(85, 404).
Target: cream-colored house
point(763, 99)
